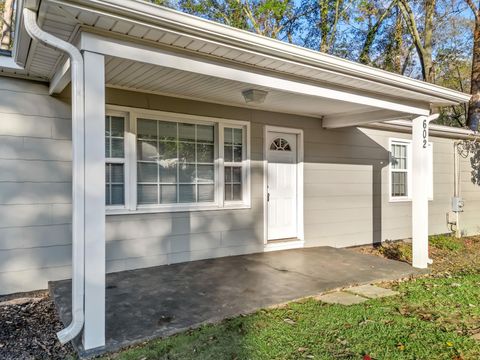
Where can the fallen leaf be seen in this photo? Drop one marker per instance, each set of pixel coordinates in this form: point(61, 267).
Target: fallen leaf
point(289, 321)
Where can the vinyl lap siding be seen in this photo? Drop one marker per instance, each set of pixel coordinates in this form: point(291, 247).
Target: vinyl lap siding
point(469, 190)
point(35, 186)
point(347, 199)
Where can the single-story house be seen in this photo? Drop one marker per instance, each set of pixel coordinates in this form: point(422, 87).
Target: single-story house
point(133, 135)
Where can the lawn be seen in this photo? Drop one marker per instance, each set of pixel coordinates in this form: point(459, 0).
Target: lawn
point(434, 317)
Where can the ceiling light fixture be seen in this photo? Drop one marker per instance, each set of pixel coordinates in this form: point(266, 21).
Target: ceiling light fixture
point(254, 96)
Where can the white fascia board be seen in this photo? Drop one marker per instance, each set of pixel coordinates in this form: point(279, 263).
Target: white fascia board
point(176, 20)
point(156, 56)
point(361, 118)
point(405, 126)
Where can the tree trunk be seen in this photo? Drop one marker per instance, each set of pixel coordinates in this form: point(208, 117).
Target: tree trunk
point(423, 46)
point(364, 57)
point(474, 105)
point(324, 26)
point(429, 74)
point(398, 41)
point(6, 35)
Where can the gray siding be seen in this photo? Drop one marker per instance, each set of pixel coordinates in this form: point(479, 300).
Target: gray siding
point(345, 182)
point(35, 186)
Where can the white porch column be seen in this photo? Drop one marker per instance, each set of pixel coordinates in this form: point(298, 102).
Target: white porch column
point(420, 191)
point(94, 328)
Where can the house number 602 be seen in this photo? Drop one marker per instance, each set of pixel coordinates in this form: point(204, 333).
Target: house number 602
point(425, 125)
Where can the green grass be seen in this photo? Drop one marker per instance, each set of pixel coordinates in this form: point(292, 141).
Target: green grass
point(431, 319)
point(401, 251)
point(446, 242)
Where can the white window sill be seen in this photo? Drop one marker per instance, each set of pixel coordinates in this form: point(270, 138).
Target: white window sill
point(154, 210)
point(402, 200)
point(399, 199)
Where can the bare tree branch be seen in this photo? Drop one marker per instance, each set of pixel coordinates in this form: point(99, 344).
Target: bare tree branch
point(474, 9)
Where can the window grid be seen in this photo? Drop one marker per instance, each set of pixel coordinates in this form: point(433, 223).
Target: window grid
point(234, 155)
point(280, 144)
point(115, 159)
point(209, 181)
point(195, 182)
point(399, 169)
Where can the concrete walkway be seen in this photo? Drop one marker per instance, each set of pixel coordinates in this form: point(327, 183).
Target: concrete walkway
point(355, 295)
point(161, 301)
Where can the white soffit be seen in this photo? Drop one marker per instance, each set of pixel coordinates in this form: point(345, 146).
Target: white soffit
point(136, 76)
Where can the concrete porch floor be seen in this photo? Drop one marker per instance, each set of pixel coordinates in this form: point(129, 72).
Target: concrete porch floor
point(164, 300)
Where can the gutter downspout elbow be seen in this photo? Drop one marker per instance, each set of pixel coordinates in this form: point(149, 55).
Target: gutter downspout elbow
point(78, 172)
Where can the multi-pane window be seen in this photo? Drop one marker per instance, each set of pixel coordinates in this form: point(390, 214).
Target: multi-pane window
point(159, 161)
point(175, 162)
point(399, 169)
point(115, 160)
point(233, 162)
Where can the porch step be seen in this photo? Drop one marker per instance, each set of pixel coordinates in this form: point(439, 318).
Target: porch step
point(342, 298)
point(371, 291)
point(356, 295)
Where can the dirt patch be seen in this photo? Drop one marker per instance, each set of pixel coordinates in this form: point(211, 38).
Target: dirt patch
point(28, 328)
point(449, 254)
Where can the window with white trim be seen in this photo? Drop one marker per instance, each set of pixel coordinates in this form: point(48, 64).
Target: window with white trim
point(115, 160)
point(177, 162)
point(401, 170)
point(233, 145)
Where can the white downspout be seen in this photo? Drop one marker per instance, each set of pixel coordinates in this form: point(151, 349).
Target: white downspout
point(456, 185)
point(78, 171)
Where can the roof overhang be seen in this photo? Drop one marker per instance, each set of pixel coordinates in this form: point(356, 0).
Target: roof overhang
point(195, 47)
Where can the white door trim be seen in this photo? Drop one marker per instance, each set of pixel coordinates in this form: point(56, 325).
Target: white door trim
point(299, 133)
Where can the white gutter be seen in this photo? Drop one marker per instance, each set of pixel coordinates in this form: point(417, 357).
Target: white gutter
point(434, 129)
point(78, 172)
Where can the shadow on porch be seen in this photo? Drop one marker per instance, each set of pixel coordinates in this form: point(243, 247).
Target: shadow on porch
point(164, 300)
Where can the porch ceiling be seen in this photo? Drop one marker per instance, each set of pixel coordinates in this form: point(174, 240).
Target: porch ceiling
point(136, 76)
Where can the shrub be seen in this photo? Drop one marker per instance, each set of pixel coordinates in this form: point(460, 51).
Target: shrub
point(398, 250)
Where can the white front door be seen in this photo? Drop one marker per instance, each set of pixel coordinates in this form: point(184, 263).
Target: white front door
point(282, 185)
